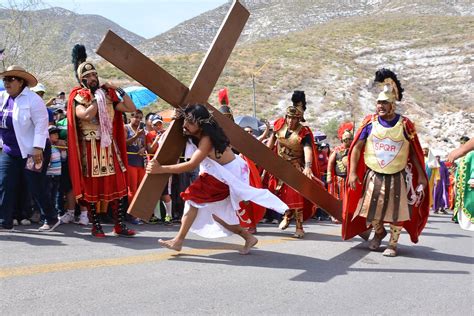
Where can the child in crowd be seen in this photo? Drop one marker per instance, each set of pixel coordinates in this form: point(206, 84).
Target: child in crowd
point(54, 169)
point(152, 144)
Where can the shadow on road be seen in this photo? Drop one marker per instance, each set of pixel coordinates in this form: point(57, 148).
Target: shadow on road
point(318, 270)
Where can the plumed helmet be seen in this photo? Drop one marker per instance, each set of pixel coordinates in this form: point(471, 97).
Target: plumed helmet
point(223, 96)
point(297, 97)
point(343, 129)
point(84, 69)
point(293, 111)
point(81, 66)
point(392, 89)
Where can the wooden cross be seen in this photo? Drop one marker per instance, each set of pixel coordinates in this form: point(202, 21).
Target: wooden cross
point(145, 71)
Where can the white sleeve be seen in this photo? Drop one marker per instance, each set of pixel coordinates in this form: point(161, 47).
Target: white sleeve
point(39, 116)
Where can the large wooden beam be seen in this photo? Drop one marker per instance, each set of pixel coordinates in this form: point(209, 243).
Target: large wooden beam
point(150, 189)
point(216, 58)
point(144, 70)
point(263, 156)
point(119, 53)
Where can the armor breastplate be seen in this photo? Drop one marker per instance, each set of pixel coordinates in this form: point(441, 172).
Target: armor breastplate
point(101, 160)
point(386, 149)
point(90, 128)
point(341, 163)
point(290, 148)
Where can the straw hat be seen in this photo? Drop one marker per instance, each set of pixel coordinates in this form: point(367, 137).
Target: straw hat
point(20, 72)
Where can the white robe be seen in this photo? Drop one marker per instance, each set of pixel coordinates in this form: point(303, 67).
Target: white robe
point(236, 175)
point(464, 221)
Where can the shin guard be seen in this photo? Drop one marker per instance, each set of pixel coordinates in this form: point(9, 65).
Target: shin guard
point(119, 211)
point(96, 227)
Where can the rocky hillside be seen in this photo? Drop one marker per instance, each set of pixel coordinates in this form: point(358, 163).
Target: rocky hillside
point(49, 35)
point(270, 18)
point(335, 63)
point(331, 50)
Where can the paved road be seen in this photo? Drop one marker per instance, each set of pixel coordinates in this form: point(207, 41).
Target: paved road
point(69, 273)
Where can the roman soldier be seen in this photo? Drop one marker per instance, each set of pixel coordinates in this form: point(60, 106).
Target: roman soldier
point(337, 165)
point(387, 178)
point(294, 142)
point(96, 140)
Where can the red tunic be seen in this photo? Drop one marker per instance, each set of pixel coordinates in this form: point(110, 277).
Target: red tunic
point(419, 216)
point(207, 189)
point(287, 194)
point(251, 213)
point(94, 189)
point(337, 185)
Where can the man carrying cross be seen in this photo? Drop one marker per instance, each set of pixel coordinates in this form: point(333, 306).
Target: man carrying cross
point(96, 141)
point(211, 202)
point(127, 58)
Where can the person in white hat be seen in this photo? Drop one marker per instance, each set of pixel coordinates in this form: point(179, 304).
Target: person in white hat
point(24, 131)
point(40, 90)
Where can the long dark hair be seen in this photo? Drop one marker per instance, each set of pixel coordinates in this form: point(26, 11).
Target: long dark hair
point(199, 114)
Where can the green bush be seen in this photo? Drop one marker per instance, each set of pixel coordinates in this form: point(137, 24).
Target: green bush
point(330, 129)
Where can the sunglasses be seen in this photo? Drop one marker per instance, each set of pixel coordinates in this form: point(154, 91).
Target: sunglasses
point(10, 79)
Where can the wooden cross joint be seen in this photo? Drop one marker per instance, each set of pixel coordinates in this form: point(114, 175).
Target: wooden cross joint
point(149, 74)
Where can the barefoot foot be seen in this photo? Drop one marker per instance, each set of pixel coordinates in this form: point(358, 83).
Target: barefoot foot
point(173, 244)
point(249, 243)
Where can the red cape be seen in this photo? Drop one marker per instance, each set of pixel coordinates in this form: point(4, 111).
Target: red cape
point(419, 216)
point(74, 160)
point(309, 209)
point(333, 184)
point(253, 211)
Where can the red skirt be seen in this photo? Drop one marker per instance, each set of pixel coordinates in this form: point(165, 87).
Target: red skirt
point(105, 188)
point(337, 187)
point(293, 199)
point(206, 189)
point(250, 213)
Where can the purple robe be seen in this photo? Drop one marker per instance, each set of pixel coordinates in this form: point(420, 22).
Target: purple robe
point(440, 191)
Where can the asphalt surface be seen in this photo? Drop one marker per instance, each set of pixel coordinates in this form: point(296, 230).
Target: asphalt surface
point(67, 272)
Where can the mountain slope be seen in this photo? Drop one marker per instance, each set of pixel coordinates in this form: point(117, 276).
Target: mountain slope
point(48, 36)
point(335, 63)
point(276, 18)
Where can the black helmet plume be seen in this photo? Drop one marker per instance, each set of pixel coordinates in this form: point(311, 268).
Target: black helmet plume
point(299, 96)
point(386, 76)
point(79, 56)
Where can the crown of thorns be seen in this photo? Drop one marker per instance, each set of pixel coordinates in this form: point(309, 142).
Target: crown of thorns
point(181, 114)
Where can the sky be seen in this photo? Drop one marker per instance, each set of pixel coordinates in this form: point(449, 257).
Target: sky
point(146, 18)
